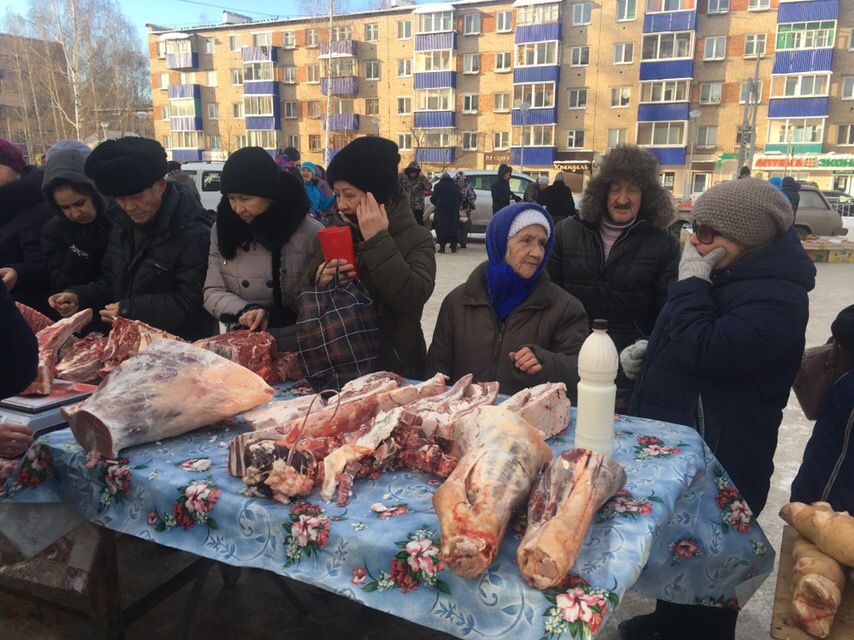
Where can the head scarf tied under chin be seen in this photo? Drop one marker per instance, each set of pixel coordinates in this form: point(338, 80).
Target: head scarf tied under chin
point(506, 289)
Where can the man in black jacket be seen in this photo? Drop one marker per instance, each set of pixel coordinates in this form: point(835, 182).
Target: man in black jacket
point(501, 194)
point(557, 199)
point(619, 256)
point(157, 254)
point(18, 362)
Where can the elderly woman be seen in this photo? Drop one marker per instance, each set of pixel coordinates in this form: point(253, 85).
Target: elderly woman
point(259, 245)
point(508, 322)
point(468, 197)
point(394, 254)
point(319, 194)
point(446, 218)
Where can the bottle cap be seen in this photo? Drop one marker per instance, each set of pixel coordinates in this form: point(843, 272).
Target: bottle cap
point(600, 324)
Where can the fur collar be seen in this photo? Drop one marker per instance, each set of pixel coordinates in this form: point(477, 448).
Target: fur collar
point(272, 229)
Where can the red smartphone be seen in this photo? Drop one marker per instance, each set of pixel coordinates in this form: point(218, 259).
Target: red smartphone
point(336, 243)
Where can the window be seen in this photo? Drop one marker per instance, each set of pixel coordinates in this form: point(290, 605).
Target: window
point(471, 63)
point(341, 68)
point(433, 61)
point(621, 96)
point(211, 79)
point(500, 140)
point(372, 32)
point(186, 139)
point(537, 135)
point(237, 110)
point(164, 111)
point(404, 141)
point(580, 56)
point(706, 136)
point(710, 93)
point(314, 108)
point(434, 100)
point(404, 67)
point(291, 140)
point(312, 73)
point(404, 30)
point(209, 45)
point(404, 105)
point(615, 137)
point(664, 91)
point(234, 43)
point(665, 46)
point(213, 110)
point(806, 35)
point(758, 5)
point(626, 10)
point(718, 6)
point(667, 179)
point(754, 43)
point(537, 14)
point(185, 108)
point(851, 41)
point(311, 37)
point(186, 78)
point(215, 143)
point(848, 88)
point(289, 74)
point(258, 105)
point(538, 95)
point(581, 13)
point(164, 80)
point(502, 62)
point(575, 138)
point(659, 6)
point(236, 76)
point(501, 102)
point(339, 34)
point(289, 39)
point(257, 71)
point(504, 21)
point(470, 140)
point(161, 49)
point(624, 52)
point(661, 134)
point(290, 109)
point(845, 135)
point(536, 53)
point(470, 103)
point(262, 39)
point(804, 85)
point(437, 139)
point(314, 142)
point(744, 92)
point(372, 70)
point(471, 24)
point(264, 139)
point(436, 22)
point(372, 106)
point(797, 131)
point(577, 98)
point(714, 48)
point(167, 142)
point(701, 182)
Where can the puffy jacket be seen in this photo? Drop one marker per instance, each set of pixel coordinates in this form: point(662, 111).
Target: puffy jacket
point(446, 197)
point(414, 188)
point(469, 338)
point(501, 193)
point(557, 199)
point(319, 195)
point(19, 351)
point(723, 356)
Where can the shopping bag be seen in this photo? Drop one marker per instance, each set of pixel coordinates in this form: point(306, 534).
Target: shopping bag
point(820, 368)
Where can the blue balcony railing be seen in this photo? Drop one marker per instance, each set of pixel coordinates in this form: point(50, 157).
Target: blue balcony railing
point(434, 119)
point(259, 54)
point(669, 156)
point(186, 123)
point(803, 61)
point(184, 91)
point(187, 155)
point(342, 122)
point(346, 86)
point(435, 155)
point(339, 49)
point(798, 108)
point(263, 123)
point(534, 156)
point(535, 116)
point(189, 60)
point(435, 79)
point(808, 11)
point(665, 69)
point(663, 112)
point(550, 73)
point(670, 21)
point(435, 41)
point(537, 33)
point(261, 88)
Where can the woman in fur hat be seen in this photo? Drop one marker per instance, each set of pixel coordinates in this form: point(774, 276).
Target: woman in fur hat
point(259, 245)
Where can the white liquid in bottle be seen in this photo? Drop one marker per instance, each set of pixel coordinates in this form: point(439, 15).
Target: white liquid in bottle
point(597, 394)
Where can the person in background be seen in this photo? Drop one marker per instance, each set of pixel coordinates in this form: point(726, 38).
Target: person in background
point(174, 173)
point(619, 257)
point(501, 193)
point(534, 191)
point(508, 322)
point(414, 185)
point(792, 190)
point(23, 212)
point(156, 259)
point(319, 194)
point(557, 199)
point(446, 217)
point(723, 356)
point(74, 145)
point(260, 243)
point(827, 470)
point(776, 182)
point(468, 198)
point(744, 172)
point(395, 255)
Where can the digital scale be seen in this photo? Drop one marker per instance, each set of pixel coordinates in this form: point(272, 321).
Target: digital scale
point(42, 414)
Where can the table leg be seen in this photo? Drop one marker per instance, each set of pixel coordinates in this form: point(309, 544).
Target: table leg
point(193, 602)
point(105, 605)
point(230, 575)
point(290, 596)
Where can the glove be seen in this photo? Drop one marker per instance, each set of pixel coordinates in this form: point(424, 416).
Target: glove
point(693, 265)
point(632, 357)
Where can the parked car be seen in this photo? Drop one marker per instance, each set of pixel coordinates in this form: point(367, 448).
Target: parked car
point(840, 201)
point(206, 176)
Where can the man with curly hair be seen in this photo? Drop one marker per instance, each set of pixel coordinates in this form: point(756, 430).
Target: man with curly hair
point(619, 257)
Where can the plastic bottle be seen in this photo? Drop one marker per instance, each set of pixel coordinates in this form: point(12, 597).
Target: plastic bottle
point(597, 394)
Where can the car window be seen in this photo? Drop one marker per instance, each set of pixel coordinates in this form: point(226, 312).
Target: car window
point(811, 200)
point(518, 185)
point(210, 180)
point(479, 182)
point(191, 172)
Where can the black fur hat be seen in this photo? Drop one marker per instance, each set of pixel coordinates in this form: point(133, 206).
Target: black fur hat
point(126, 166)
point(368, 163)
point(252, 172)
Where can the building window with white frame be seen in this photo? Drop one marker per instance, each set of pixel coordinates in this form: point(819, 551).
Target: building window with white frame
point(744, 91)
point(209, 45)
point(581, 13)
point(664, 91)
point(433, 61)
point(314, 142)
point(434, 99)
point(500, 140)
point(535, 135)
point(538, 14)
point(404, 67)
point(471, 63)
point(290, 109)
point(211, 78)
point(624, 52)
point(845, 135)
point(213, 110)
point(470, 140)
point(661, 134)
point(539, 95)
point(616, 137)
point(471, 24)
point(164, 80)
point(714, 48)
point(372, 70)
point(257, 71)
point(579, 56)
point(372, 106)
point(312, 73)
point(578, 98)
point(164, 112)
point(215, 143)
point(707, 136)
point(404, 29)
point(289, 74)
point(404, 141)
point(262, 39)
point(663, 6)
point(806, 35)
point(848, 88)
point(311, 39)
point(436, 22)
point(234, 43)
point(802, 86)
point(372, 32)
point(289, 39)
point(717, 7)
point(470, 103)
point(161, 49)
point(236, 77)
point(342, 33)
point(501, 102)
point(536, 53)
point(710, 92)
point(404, 105)
point(504, 22)
point(502, 62)
point(237, 110)
point(167, 142)
point(621, 96)
point(754, 43)
point(575, 138)
point(627, 10)
point(667, 46)
point(292, 140)
point(258, 105)
point(758, 5)
point(314, 108)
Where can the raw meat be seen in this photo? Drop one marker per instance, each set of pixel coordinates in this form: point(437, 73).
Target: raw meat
point(170, 388)
point(545, 407)
point(279, 412)
point(126, 339)
point(50, 340)
point(36, 320)
point(83, 362)
point(437, 419)
point(287, 367)
point(254, 350)
point(561, 507)
point(501, 457)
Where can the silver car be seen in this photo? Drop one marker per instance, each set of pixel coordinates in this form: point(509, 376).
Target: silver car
point(206, 176)
point(815, 216)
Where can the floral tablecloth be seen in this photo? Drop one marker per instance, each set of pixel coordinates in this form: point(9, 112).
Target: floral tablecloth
point(678, 531)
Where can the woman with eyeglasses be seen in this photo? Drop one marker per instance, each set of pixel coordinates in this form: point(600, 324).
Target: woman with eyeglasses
point(723, 355)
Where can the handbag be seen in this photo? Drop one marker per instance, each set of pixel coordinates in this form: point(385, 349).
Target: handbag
point(337, 333)
point(820, 368)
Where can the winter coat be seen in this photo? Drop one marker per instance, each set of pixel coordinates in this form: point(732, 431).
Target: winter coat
point(791, 189)
point(23, 213)
point(557, 199)
point(320, 195)
point(446, 220)
point(723, 356)
point(501, 193)
point(469, 338)
point(831, 440)
point(159, 283)
point(398, 268)
point(532, 193)
point(414, 188)
point(19, 351)
point(468, 196)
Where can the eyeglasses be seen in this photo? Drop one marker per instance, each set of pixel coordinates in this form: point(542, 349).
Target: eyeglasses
point(705, 234)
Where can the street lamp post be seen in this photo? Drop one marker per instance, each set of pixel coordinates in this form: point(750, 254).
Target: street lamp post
point(692, 134)
point(376, 121)
point(104, 126)
point(143, 117)
point(523, 107)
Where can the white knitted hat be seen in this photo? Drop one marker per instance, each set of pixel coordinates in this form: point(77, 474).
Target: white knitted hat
point(526, 218)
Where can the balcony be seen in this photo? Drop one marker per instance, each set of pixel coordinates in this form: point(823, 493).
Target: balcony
point(259, 54)
point(342, 122)
point(186, 123)
point(435, 79)
point(663, 112)
point(346, 86)
point(435, 155)
point(670, 21)
point(666, 69)
point(797, 107)
point(544, 73)
point(185, 91)
point(808, 11)
point(534, 156)
point(339, 49)
point(435, 41)
point(803, 60)
point(187, 155)
point(435, 119)
point(188, 60)
point(669, 156)
point(537, 33)
point(535, 116)
point(261, 88)
point(794, 148)
point(264, 123)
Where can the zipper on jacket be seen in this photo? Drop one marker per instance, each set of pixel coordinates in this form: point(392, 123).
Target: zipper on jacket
point(831, 480)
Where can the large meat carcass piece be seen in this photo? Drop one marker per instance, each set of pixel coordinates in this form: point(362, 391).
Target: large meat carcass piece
point(35, 320)
point(567, 496)
point(501, 457)
point(83, 361)
point(255, 350)
point(545, 407)
point(50, 340)
point(170, 388)
point(127, 338)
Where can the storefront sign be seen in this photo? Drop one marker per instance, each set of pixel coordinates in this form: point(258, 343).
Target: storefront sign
point(496, 157)
point(823, 161)
point(572, 166)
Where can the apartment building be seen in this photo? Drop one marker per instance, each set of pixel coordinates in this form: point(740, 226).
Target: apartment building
point(541, 84)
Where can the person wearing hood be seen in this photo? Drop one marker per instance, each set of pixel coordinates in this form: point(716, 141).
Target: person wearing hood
point(394, 254)
point(557, 199)
point(534, 191)
point(723, 356)
point(501, 193)
point(446, 219)
point(413, 184)
point(156, 258)
point(509, 322)
point(260, 243)
point(468, 197)
point(23, 212)
point(619, 256)
point(319, 194)
point(791, 188)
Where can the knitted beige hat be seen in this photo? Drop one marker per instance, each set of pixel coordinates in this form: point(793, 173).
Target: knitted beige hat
point(750, 211)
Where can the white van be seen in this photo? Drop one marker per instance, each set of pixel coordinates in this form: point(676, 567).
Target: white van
point(206, 176)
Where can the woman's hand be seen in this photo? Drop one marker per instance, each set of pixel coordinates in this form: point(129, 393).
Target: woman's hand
point(65, 303)
point(110, 312)
point(254, 319)
point(15, 439)
point(526, 361)
point(326, 272)
point(10, 277)
point(371, 216)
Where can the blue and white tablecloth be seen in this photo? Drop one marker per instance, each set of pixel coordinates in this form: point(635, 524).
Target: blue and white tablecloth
point(679, 531)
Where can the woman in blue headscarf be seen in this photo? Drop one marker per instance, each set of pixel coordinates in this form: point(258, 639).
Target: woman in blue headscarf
point(319, 194)
point(508, 322)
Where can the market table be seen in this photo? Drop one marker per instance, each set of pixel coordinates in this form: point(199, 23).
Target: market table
point(678, 531)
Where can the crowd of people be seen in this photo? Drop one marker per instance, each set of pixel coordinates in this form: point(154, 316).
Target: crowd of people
point(710, 337)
